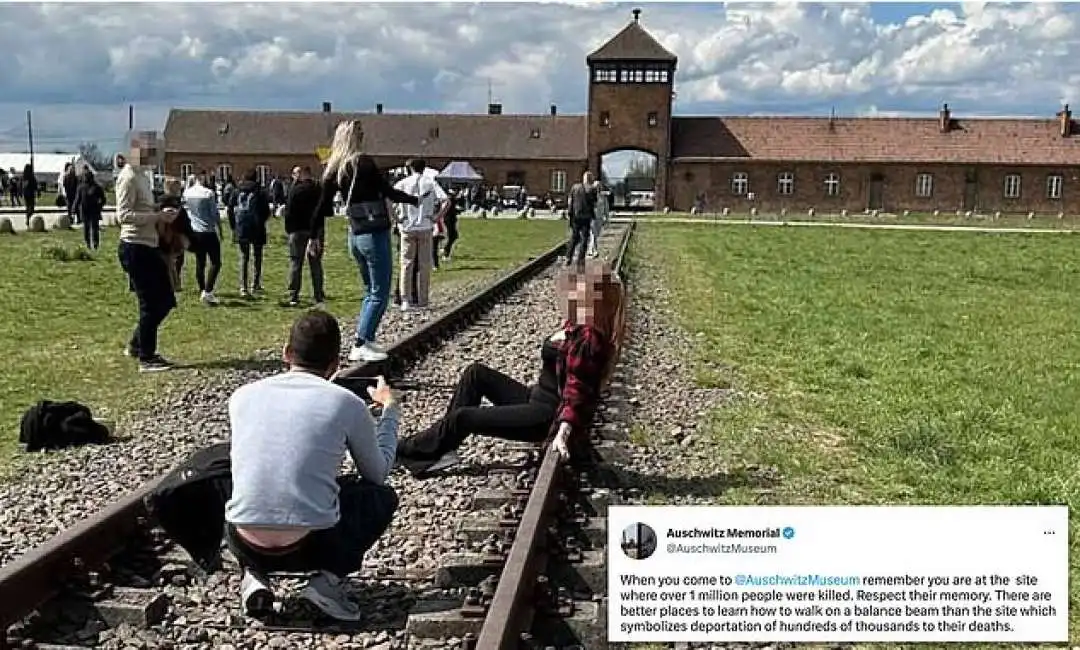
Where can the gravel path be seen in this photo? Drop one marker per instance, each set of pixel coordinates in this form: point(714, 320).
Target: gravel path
point(54, 490)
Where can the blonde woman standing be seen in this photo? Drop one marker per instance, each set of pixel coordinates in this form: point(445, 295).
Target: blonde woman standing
point(366, 191)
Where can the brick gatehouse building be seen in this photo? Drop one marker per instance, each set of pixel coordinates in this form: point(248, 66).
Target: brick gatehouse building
point(891, 164)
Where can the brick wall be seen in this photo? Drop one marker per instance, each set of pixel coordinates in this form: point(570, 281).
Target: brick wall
point(628, 106)
point(891, 188)
point(538, 174)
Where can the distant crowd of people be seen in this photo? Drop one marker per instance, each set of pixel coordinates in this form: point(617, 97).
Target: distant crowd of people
point(156, 234)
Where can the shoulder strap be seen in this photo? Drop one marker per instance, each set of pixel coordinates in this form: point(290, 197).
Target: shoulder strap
point(352, 182)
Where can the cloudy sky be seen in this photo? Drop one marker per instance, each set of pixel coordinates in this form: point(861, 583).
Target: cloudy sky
point(78, 66)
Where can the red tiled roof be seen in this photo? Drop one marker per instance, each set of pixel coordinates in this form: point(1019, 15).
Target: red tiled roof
point(466, 137)
point(866, 139)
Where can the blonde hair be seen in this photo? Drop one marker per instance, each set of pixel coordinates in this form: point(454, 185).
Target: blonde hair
point(610, 318)
point(347, 145)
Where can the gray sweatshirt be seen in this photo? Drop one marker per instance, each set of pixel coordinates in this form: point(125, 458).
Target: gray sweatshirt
point(290, 433)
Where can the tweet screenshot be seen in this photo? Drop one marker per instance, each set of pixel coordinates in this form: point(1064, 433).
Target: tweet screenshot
point(838, 574)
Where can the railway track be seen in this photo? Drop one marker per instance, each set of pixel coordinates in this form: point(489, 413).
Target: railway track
point(112, 565)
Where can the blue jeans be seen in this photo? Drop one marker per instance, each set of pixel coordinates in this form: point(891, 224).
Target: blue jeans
point(372, 254)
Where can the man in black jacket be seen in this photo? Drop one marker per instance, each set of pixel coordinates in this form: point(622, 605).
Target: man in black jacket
point(299, 207)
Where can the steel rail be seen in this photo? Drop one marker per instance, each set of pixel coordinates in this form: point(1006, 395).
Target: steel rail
point(511, 611)
point(32, 579)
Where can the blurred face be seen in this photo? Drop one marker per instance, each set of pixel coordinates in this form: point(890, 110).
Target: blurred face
point(584, 295)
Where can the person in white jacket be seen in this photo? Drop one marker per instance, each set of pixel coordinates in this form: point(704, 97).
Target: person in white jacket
point(417, 226)
point(142, 261)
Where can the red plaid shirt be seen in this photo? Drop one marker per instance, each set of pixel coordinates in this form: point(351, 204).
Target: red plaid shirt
point(582, 357)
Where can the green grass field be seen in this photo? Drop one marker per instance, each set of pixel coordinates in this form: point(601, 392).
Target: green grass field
point(898, 367)
point(1069, 222)
point(66, 323)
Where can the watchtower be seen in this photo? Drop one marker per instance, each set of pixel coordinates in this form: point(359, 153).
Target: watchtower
point(631, 82)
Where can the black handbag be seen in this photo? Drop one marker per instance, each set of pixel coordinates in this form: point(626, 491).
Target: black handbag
point(366, 216)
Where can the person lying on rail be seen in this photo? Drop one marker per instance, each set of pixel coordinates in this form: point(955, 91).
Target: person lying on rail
point(289, 510)
point(576, 363)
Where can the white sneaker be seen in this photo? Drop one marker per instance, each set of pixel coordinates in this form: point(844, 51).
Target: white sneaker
point(327, 592)
point(321, 306)
point(208, 298)
point(367, 352)
point(256, 598)
point(406, 307)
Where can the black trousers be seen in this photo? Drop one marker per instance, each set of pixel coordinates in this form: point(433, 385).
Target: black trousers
point(366, 512)
point(579, 240)
point(92, 233)
point(207, 247)
point(519, 412)
point(148, 278)
point(248, 251)
point(451, 237)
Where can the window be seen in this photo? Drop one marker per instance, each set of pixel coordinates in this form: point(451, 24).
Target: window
point(924, 185)
point(264, 174)
point(558, 180)
point(654, 119)
point(186, 169)
point(224, 170)
point(631, 75)
point(1012, 186)
point(604, 75)
point(785, 183)
point(1054, 183)
point(656, 75)
point(832, 185)
point(740, 183)
point(605, 118)
point(535, 134)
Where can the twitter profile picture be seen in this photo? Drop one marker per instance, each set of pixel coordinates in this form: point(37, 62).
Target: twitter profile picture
point(638, 541)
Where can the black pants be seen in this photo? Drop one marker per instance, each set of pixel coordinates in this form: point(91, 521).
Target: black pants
point(435, 243)
point(366, 512)
point(207, 247)
point(519, 412)
point(298, 242)
point(91, 229)
point(230, 214)
point(249, 250)
point(148, 278)
point(451, 237)
point(31, 203)
point(579, 240)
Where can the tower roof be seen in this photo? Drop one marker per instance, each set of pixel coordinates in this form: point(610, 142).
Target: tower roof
point(633, 43)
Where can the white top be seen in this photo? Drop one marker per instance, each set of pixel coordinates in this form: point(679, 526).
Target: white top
point(420, 218)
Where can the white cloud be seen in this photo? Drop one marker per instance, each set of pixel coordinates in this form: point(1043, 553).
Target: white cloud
point(78, 66)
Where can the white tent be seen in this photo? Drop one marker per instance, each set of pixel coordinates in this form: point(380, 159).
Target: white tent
point(47, 166)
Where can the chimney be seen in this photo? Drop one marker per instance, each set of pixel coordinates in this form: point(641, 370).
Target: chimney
point(494, 109)
point(326, 107)
point(945, 119)
point(378, 109)
point(554, 110)
point(1066, 121)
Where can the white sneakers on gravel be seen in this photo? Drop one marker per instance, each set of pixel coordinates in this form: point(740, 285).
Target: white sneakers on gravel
point(256, 598)
point(369, 351)
point(327, 592)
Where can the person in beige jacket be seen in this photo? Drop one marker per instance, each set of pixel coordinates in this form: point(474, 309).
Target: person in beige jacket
point(141, 259)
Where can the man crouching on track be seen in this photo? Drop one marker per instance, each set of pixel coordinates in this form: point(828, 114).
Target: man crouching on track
point(289, 510)
point(576, 363)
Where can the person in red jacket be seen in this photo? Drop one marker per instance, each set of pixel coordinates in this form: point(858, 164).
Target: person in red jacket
point(576, 363)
